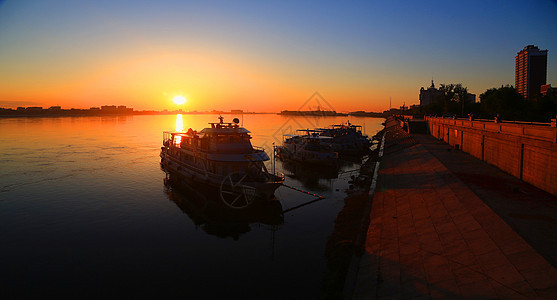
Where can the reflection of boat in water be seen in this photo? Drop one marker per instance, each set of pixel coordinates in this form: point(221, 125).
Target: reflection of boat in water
point(205, 209)
point(221, 157)
point(311, 149)
point(310, 177)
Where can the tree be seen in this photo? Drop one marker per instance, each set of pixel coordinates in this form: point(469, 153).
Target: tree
point(545, 108)
point(504, 101)
point(447, 95)
point(460, 95)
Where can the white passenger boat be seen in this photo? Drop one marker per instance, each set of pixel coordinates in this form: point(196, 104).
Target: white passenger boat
point(346, 138)
point(312, 149)
point(221, 157)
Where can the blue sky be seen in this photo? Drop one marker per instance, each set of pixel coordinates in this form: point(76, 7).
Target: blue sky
point(357, 54)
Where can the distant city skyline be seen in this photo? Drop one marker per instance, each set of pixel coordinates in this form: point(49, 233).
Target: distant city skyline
point(261, 56)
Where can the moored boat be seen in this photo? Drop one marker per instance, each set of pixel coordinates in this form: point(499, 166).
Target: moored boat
point(346, 138)
point(222, 157)
point(307, 149)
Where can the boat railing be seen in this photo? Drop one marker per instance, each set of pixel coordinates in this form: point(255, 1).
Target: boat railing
point(166, 136)
point(278, 174)
point(258, 149)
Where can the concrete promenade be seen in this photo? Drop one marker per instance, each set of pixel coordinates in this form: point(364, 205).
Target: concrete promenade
point(446, 225)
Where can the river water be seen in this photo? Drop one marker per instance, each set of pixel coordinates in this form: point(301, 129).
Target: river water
point(84, 210)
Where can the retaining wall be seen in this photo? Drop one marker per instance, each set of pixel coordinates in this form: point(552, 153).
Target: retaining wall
point(526, 151)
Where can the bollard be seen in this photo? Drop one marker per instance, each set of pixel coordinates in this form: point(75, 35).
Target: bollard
point(471, 117)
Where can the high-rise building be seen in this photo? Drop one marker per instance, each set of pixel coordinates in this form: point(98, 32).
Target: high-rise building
point(531, 71)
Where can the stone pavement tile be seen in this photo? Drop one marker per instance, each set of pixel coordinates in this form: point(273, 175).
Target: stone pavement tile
point(406, 227)
point(430, 242)
point(518, 290)
point(389, 279)
point(414, 259)
point(526, 260)
point(514, 245)
point(388, 266)
point(365, 287)
point(463, 259)
point(542, 278)
point(407, 234)
point(505, 275)
point(388, 290)
point(441, 217)
point(434, 205)
point(406, 249)
point(466, 224)
point(420, 214)
point(404, 212)
point(447, 289)
point(496, 228)
point(492, 260)
point(415, 290)
point(454, 208)
point(478, 290)
point(462, 192)
point(548, 293)
point(479, 242)
point(443, 192)
point(449, 227)
point(437, 269)
point(424, 226)
point(449, 238)
point(481, 245)
point(465, 275)
point(372, 245)
point(368, 262)
point(410, 277)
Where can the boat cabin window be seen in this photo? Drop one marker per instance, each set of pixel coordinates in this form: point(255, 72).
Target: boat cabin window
point(232, 138)
point(177, 140)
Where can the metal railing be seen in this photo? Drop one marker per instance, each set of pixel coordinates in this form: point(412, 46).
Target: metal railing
point(493, 121)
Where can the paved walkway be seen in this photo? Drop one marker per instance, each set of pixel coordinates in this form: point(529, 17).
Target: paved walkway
point(432, 235)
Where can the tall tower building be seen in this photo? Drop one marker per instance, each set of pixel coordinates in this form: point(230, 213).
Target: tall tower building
point(531, 71)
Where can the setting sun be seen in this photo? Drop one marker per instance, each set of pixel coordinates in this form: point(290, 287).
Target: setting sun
point(179, 100)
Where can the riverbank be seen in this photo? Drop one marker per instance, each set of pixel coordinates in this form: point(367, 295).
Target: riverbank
point(346, 239)
point(444, 225)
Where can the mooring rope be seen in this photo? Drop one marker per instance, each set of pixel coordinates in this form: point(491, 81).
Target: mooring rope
point(302, 191)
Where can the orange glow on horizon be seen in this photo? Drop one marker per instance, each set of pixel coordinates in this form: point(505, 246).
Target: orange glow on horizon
point(145, 81)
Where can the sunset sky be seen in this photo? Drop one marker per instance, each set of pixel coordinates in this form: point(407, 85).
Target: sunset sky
point(261, 55)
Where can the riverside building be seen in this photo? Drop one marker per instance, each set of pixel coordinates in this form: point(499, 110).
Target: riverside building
point(531, 71)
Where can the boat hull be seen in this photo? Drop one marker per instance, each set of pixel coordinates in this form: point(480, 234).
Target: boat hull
point(285, 153)
point(262, 188)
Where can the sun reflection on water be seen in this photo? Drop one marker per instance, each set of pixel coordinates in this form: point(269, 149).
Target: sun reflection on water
point(179, 123)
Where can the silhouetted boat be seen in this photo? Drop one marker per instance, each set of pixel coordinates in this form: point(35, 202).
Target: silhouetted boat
point(307, 149)
point(346, 139)
point(223, 157)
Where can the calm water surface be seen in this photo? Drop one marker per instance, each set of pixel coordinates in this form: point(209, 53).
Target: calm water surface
point(84, 209)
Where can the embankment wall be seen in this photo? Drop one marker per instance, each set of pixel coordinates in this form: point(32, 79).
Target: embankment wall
point(526, 151)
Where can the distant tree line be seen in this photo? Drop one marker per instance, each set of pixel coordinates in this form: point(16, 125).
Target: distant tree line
point(505, 102)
